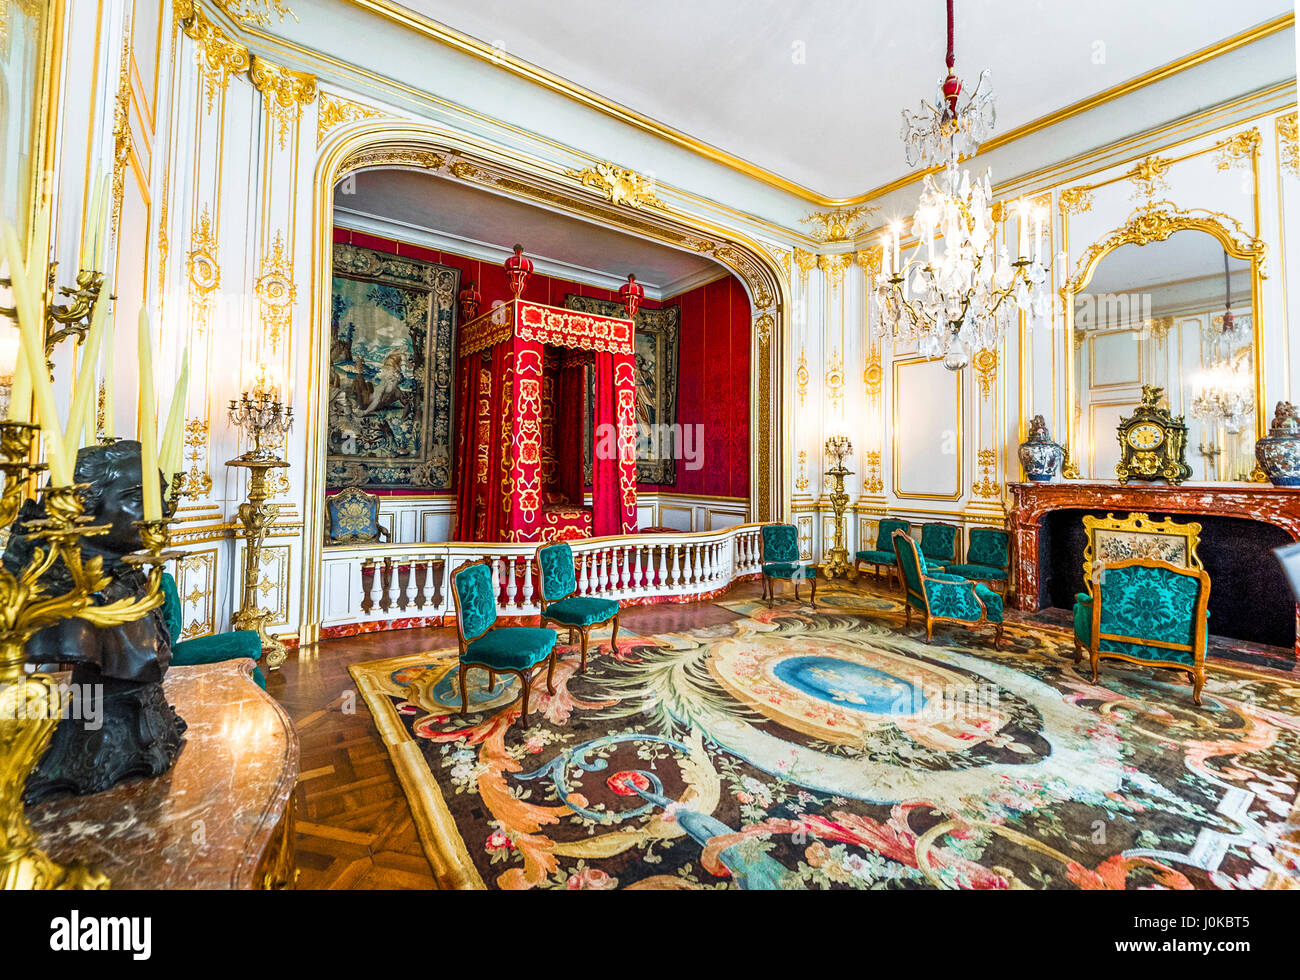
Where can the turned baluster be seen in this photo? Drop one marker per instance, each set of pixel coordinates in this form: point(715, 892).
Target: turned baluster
point(602, 576)
point(367, 583)
point(675, 576)
point(421, 580)
point(403, 583)
point(637, 582)
point(584, 584)
point(526, 596)
point(510, 580)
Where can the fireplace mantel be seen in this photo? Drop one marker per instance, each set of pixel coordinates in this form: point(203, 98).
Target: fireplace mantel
point(1279, 506)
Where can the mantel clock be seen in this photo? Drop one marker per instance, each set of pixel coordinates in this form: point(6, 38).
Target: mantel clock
point(1152, 443)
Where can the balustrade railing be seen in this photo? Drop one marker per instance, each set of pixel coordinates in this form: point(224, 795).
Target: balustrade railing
point(386, 582)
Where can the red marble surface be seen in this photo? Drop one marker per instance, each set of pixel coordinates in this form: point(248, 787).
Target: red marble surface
point(206, 822)
point(1031, 501)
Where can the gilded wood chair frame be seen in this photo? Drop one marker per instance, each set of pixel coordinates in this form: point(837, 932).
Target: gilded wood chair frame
point(1136, 523)
point(347, 493)
point(525, 675)
point(584, 631)
point(1196, 648)
point(930, 620)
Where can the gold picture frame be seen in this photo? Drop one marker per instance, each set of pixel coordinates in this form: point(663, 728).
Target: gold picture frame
point(1112, 539)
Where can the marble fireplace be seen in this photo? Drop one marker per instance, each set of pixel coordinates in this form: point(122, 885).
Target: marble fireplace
point(1240, 525)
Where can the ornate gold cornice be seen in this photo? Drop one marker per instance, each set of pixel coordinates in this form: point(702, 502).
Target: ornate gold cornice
point(394, 156)
point(335, 112)
point(839, 225)
point(1288, 134)
point(219, 56)
point(870, 259)
point(618, 185)
point(284, 93)
point(1239, 149)
point(255, 13)
point(834, 266)
point(806, 261)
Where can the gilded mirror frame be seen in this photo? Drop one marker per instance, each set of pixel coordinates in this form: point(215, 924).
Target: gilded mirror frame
point(1154, 222)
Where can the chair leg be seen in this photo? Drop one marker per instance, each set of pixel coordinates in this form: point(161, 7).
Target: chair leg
point(812, 585)
point(1096, 660)
point(464, 693)
point(1078, 650)
point(929, 629)
point(997, 637)
point(1198, 683)
point(550, 673)
point(570, 636)
point(769, 583)
point(583, 633)
point(796, 590)
point(525, 681)
point(492, 680)
point(613, 638)
point(907, 613)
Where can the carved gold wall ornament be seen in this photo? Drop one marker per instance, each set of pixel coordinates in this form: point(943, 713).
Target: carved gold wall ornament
point(806, 261)
point(218, 56)
point(1288, 134)
point(335, 112)
point(873, 481)
point(619, 185)
point(801, 482)
point(986, 371)
point(255, 13)
point(276, 292)
point(873, 376)
point(801, 376)
point(164, 242)
point(1149, 177)
point(869, 260)
point(1238, 150)
point(743, 263)
point(1159, 327)
point(197, 482)
point(1076, 200)
point(834, 266)
point(284, 93)
point(835, 379)
point(393, 156)
point(839, 225)
point(203, 269)
point(987, 486)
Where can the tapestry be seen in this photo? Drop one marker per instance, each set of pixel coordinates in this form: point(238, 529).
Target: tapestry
point(792, 749)
point(392, 338)
point(655, 346)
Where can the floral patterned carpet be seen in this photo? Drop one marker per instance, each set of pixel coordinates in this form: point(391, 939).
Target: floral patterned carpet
point(832, 749)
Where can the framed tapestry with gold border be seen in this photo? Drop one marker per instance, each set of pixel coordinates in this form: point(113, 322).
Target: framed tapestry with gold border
point(1112, 539)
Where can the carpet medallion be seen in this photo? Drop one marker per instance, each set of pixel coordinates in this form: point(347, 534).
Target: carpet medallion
point(792, 749)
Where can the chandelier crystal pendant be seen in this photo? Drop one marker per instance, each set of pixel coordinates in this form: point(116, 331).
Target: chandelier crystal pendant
point(960, 301)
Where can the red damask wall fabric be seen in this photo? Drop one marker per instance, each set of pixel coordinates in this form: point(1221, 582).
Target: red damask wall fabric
point(713, 359)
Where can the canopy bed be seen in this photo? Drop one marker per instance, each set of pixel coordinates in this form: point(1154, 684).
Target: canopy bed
point(521, 374)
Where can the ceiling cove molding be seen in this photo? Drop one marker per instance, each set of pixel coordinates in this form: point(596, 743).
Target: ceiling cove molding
point(401, 231)
point(464, 43)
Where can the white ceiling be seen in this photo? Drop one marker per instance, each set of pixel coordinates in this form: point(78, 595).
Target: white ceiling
point(726, 72)
point(421, 208)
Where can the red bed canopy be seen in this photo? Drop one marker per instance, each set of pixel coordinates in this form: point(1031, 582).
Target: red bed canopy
point(520, 381)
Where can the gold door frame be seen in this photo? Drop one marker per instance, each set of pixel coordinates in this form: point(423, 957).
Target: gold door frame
point(1156, 221)
point(591, 195)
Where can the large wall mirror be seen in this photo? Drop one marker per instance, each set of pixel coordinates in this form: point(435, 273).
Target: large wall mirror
point(1173, 304)
point(23, 47)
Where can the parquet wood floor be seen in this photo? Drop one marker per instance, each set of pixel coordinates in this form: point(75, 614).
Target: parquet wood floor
point(354, 826)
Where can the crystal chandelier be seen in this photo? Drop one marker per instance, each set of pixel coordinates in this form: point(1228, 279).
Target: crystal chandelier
point(960, 301)
point(1221, 396)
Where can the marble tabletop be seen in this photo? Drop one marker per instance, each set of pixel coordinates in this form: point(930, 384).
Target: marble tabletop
point(207, 822)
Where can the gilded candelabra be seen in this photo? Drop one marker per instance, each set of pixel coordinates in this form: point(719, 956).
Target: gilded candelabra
point(260, 417)
point(30, 704)
point(837, 563)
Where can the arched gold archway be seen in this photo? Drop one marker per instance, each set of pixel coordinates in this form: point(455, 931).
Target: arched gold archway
point(605, 195)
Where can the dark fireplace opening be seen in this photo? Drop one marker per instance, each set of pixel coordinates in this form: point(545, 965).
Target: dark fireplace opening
point(1249, 595)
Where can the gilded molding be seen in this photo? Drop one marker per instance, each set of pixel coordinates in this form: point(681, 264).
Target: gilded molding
point(276, 292)
point(874, 481)
point(870, 260)
point(1288, 134)
point(801, 376)
point(203, 269)
point(219, 57)
point(747, 267)
point(834, 266)
point(987, 486)
point(618, 185)
point(122, 140)
point(1076, 200)
point(1149, 176)
point(1238, 150)
point(284, 93)
point(336, 112)
point(801, 481)
point(395, 156)
point(834, 379)
point(806, 261)
point(197, 481)
point(255, 13)
point(986, 371)
point(839, 225)
point(873, 375)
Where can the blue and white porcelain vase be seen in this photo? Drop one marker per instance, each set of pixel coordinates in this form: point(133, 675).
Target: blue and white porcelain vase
point(1279, 451)
point(1039, 455)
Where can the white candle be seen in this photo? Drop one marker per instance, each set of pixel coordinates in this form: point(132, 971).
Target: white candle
point(81, 417)
point(147, 420)
point(887, 255)
point(1022, 243)
point(169, 453)
point(898, 265)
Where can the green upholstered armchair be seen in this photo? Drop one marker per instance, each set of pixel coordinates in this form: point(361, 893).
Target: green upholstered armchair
point(354, 517)
point(939, 543)
point(1147, 612)
point(882, 556)
point(497, 649)
point(561, 603)
point(213, 649)
point(939, 597)
point(781, 561)
point(988, 559)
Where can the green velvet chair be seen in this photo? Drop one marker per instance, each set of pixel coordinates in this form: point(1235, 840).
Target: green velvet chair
point(497, 649)
point(940, 597)
point(214, 649)
point(882, 556)
point(1146, 612)
point(781, 561)
point(561, 603)
point(988, 559)
point(939, 543)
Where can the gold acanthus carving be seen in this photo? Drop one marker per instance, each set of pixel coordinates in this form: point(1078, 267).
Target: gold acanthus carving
point(763, 329)
point(218, 56)
point(986, 371)
point(255, 13)
point(122, 140)
point(873, 375)
point(276, 292)
point(197, 482)
point(833, 267)
point(869, 260)
point(1149, 176)
point(874, 482)
point(284, 93)
point(987, 486)
point(746, 266)
point(619, 185)
point(839, 225)
point(1238, 149)
point(801, 482)
point(395, 156)
point(1076, 200)
point(203, 269)
point(806, 261)
point(801, 376)
point(335, 112)
point(1288, 133)
point(834, 379)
